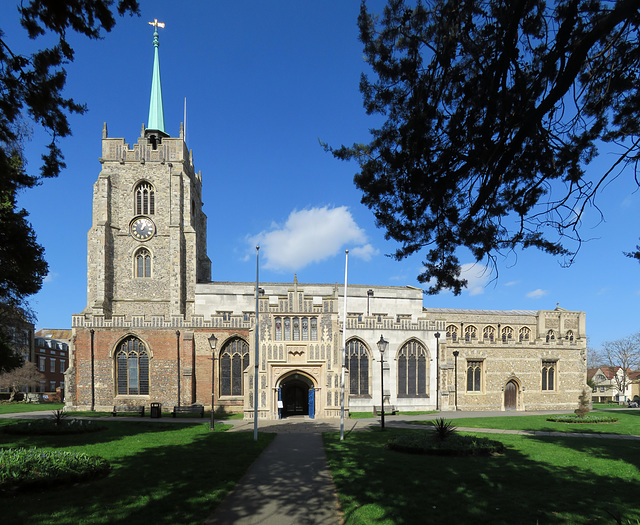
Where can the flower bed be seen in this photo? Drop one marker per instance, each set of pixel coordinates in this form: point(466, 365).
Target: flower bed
point(53, 427)
point(572, 418)
point(23, 467)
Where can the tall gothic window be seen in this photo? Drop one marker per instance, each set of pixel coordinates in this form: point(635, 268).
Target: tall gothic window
point(358, 366)
point(452, 333)
point(474, 376)
point(145, 199)
point(412, 370)
point(132, 368)
point(524, 334)
point(142, 263)
point(548, 375)
point(234, 358)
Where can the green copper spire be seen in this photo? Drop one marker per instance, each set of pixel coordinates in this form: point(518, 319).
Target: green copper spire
point(156, 111)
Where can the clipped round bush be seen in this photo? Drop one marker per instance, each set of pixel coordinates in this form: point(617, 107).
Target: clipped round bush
point(453, 445)
point(53, 427)
point(572, 418)
point(21, 467)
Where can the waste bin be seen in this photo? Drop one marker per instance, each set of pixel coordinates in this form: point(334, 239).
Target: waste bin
point(156, 410)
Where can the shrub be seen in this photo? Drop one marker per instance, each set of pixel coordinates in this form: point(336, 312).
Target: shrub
point(33, 467)
point(453, 445)
point(443, 429)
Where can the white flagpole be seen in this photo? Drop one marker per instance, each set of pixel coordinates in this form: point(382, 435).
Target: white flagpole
point(344, 346)
point(255, 373)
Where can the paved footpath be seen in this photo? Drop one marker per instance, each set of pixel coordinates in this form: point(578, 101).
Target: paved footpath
point(289, 483)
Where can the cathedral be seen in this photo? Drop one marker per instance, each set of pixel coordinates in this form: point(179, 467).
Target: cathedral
point(157, 329)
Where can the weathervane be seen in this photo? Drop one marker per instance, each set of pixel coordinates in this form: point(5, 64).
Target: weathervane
point(156, 25)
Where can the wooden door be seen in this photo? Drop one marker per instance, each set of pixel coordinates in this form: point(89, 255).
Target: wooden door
point(511, 396)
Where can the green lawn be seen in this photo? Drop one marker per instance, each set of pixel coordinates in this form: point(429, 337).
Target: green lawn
point(628, 423)
point(13, 408)
point(539, 480)
point(162, 473)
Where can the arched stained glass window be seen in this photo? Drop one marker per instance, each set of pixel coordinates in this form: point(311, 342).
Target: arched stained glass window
point(470, 333)
point(413, 377)
point(507, 334)
point(358, 365)
point(142, 263)
point(234, 359)
point(132, 368)
point(145, 199)
point(489, 333)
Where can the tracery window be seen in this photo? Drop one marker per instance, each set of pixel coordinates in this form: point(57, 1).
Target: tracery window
point(524, 334)
point(470, 333)
point(234, 359)
point(142, 264)
point(412, 370)
point(452, 333)
point(278, 329)
point(314, 329)
point(551, 336)
point(548, 375)
point(296, 329)
point(357, 362)
point(474, 376)
point(305, 329)
point(145, 199)
point(132, 368)
point(287, 329)
point(489, 333)
point(507, 334)
point(569, 336)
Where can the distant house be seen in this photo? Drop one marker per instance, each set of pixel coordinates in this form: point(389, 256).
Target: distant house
point(607, 383)
point(51, 356)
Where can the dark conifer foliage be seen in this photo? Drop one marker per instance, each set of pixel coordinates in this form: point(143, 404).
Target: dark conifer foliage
point(492, 111)
point(32, 93)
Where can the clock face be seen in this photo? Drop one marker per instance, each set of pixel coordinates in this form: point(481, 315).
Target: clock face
point(143, 228)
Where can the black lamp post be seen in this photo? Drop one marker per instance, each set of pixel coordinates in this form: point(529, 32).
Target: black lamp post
point(382, 346)
point(93, 373)
point(455, 372)
point(213, 341)
point(437, 336)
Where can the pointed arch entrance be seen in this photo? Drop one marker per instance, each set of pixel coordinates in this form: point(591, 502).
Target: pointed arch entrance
point(511, 395)
point(297, 394)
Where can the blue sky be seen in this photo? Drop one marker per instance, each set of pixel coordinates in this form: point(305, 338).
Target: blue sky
point(264, 82)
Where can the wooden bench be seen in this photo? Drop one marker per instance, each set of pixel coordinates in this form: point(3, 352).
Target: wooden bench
point(388, 410)
point(192, 409)
point(128, 409)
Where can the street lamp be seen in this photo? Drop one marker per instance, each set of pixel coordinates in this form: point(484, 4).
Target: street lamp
point(437, 336)
point(213, 341)
point(382, 346)
point(455, 372)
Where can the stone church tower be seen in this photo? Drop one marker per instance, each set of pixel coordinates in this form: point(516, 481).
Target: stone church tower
point(147, 244)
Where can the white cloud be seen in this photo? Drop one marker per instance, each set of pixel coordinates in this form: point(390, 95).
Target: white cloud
point(477, 277)
point(51, 276)
point(512, 283)
point(537, 293)
point(309, 236)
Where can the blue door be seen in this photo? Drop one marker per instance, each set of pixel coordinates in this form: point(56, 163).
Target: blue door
point(312, 403)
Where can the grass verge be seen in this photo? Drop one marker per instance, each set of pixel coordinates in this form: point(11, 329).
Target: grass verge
point(537, 480)
point(162, 473)
point(628, 423)
point(14, 408)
